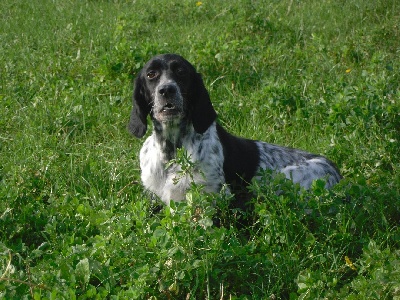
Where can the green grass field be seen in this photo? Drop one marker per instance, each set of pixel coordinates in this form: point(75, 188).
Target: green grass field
point(75, 222)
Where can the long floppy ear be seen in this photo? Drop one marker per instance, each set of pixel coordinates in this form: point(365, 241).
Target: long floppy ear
point(203, 113)
point(141, 108)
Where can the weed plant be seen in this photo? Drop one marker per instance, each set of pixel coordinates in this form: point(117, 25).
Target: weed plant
point(75, 222)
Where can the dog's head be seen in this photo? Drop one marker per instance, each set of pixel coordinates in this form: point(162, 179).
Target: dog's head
point(169, 89)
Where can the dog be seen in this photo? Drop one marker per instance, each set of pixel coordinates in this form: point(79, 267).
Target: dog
point(170, 90)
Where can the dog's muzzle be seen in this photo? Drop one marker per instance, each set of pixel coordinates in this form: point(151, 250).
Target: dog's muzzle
point(168, 102)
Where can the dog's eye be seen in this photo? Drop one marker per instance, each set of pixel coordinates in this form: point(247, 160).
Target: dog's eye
point(151, 74)
point(180, 72)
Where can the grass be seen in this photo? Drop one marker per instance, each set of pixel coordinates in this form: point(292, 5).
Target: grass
point(75, 223)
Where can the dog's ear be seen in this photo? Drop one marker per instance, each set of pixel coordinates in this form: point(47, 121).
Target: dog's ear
point(203, 113)
point(141, 108)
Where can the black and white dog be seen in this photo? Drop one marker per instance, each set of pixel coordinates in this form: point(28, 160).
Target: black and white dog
point(169, 89)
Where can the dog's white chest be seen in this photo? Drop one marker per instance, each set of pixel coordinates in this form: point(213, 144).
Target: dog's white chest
point(167, 180)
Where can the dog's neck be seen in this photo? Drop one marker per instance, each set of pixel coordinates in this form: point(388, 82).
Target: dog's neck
point(170, 136)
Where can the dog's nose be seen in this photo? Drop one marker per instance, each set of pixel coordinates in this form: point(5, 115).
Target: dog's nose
point(167, 90)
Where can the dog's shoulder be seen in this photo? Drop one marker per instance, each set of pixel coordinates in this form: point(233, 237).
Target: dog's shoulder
point(241, 156)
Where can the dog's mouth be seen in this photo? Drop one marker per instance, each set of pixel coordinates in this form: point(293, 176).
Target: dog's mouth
point(168, 111)
point(169, 108)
